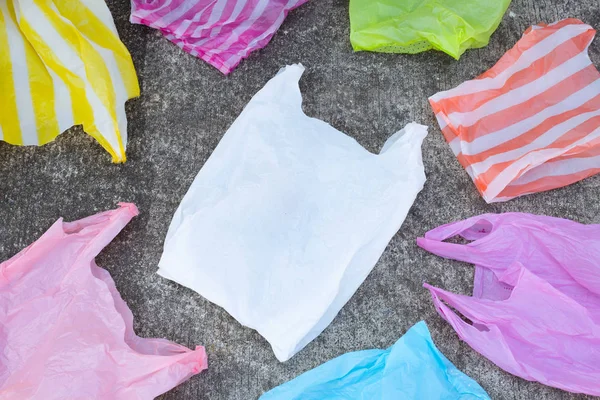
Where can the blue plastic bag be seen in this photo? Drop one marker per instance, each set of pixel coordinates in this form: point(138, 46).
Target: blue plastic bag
point(413, 368)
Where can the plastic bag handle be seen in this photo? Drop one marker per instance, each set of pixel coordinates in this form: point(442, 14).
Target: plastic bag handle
point(463, 329)
point(283, 89)
point(452, 251)
point(93, 233)
point(100, 229)
point(452, 229)
point(433, 240)
point(413, 135)
point(489, 341)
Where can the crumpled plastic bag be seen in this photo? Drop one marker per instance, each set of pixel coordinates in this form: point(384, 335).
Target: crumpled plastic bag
point(288, 216)
point(222, 33)
point(535, 310)
point(531, 123)
point(413, 26)
point(63, 64)
point(66, 333)
point(413, 368)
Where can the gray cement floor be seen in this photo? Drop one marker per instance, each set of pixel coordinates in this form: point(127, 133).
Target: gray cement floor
point(185, 108)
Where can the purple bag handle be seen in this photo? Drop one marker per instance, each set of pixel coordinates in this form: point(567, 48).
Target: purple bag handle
point(482, 336)
point(478, 339)
point(471, 253)
point(443, 299)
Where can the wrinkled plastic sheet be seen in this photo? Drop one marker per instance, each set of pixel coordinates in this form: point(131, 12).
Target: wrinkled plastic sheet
point(413, 26)
point(532, 122)
point(535, 310)
point(66, 333)
point(288, 216)
point(63, 64)
point(221, 32)
point(413, 368)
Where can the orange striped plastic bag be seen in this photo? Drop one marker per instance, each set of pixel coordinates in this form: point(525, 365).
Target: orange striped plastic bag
point(62, 64)
point(532, 122)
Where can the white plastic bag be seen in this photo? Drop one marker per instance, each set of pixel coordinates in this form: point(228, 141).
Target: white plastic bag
point(288, 216)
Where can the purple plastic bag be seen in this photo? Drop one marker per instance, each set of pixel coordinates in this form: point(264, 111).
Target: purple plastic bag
point(535, 310)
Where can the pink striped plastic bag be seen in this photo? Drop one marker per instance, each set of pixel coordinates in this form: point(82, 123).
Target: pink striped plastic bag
point(532, 122)
point(535, 310)
point(220, 32)
point(66, 333)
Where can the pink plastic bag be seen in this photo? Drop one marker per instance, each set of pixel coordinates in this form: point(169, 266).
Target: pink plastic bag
point(221, 32)
point(65, 332)
point(536, 305)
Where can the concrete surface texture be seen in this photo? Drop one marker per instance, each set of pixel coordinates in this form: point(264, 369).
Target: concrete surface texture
point(185, 108)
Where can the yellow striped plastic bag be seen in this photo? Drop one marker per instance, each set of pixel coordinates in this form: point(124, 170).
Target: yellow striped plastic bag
point(62, 64)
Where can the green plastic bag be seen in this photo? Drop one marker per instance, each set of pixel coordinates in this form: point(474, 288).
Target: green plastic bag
point(413, 26)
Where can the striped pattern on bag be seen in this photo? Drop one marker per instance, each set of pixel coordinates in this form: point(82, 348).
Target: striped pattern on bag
point(532, 122)
point(62, 64)
point(220, 32)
